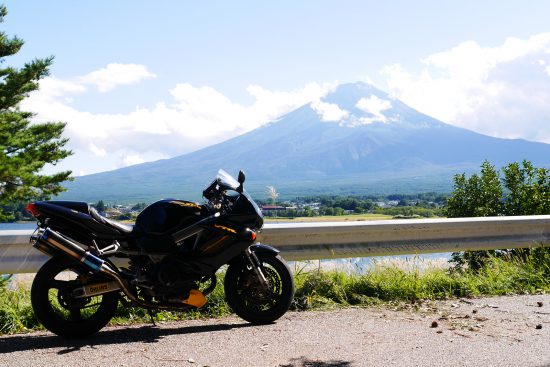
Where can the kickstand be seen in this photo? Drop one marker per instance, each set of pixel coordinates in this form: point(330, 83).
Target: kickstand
point(150, 312)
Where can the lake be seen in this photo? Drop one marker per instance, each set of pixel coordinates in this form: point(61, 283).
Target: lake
point(22, 225)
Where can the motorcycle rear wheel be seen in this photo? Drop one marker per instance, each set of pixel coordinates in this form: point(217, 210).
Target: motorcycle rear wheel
point(246, 296)
point(60, 312)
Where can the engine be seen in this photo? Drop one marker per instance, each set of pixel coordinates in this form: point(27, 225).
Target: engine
point(171, 274)
point(169, 279)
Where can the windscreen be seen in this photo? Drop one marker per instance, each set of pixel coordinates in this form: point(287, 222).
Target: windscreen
point(227, 180)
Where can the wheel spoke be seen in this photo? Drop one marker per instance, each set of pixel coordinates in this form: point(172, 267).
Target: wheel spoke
point(60, 284)
point(255, 295)
point(95, 304)
point(75, 314)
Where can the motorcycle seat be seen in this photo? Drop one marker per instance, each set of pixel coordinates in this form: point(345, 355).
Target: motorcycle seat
point(76, 206)
point(124, 228)
point(83, 214)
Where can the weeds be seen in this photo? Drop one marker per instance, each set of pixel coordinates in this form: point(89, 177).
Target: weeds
point(16, 314)
point(379, 284)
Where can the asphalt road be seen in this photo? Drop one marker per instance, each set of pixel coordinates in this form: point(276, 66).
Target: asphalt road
point(506, 331)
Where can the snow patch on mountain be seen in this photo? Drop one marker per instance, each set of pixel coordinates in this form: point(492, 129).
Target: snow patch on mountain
point(371, 110)
point(329, 112)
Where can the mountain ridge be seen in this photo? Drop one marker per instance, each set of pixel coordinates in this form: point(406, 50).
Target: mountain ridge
point(355, 139)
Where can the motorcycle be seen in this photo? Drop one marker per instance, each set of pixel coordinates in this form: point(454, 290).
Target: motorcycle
point(167, 260)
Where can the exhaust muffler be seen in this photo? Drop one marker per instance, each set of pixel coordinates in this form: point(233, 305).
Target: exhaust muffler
point(51, 242)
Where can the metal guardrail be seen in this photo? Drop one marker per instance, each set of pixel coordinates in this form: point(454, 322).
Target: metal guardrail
point(330, 240)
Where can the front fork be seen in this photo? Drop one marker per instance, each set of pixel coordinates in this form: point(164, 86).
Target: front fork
point(254, 262)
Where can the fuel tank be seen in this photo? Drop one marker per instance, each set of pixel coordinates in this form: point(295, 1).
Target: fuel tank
point(160, 220)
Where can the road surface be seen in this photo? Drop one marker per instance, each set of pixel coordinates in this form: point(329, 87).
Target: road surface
point(504, 331)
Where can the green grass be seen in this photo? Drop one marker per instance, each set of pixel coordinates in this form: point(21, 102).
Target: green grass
point(326, 289)
point(16, 314)
point(391, 283)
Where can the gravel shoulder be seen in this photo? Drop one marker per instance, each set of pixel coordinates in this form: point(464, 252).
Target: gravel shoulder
point(501, 331)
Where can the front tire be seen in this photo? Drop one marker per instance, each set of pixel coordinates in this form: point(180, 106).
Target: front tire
point(60, 312)
point(248, 299)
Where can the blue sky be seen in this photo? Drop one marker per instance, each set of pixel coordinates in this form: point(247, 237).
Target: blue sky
point(143, 80)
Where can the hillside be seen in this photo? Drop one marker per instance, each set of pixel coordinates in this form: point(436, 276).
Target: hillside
point(356, 140)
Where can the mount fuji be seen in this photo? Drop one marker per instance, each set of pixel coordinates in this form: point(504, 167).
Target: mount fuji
point(355, 140)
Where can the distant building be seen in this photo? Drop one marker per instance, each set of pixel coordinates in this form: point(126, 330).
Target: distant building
point(312, 206)
point(272, 208)
point(388, 204)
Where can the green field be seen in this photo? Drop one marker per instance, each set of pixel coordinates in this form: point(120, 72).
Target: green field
point(328, 218)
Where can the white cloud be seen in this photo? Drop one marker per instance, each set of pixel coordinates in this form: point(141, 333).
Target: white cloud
point(215, 114)
point(374, 106)
point(193, 118)
point(100, 152)
point(329, 112)
point(132, 159)
point(270, 105)
point(53, 87)
point(115, 74)
point(501, 91)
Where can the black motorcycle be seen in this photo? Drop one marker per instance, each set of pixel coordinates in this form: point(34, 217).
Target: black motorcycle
point(167, 260)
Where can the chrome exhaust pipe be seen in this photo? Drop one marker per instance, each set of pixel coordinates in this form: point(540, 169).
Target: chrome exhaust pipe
point(52, 242)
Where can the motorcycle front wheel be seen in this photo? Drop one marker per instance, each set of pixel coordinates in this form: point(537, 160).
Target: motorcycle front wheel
point(250, 299)
point(56, 307)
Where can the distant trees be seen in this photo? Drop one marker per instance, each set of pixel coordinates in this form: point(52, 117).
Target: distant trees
point(25, 148)
point(341, 204)
point(139, 206)
point(410, 211)
point(333, 211)
point(522, 189)
point(414, 205)
point(100, 206)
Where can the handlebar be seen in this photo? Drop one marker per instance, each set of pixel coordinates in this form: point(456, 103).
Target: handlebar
point(218, 201)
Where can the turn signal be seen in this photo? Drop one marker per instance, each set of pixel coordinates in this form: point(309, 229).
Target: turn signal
point(253, 235)
point(31, 209)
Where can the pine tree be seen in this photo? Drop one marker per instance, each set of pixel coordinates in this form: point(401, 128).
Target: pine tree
point(25, 148)
point(100, 206)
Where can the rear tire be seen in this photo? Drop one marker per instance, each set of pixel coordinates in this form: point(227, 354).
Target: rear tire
point(246, 296)
point(58, 310)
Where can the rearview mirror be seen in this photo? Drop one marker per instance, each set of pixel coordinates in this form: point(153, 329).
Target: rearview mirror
point(241, 181)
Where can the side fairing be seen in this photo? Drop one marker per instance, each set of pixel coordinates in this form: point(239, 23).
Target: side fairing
point(244, 212)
